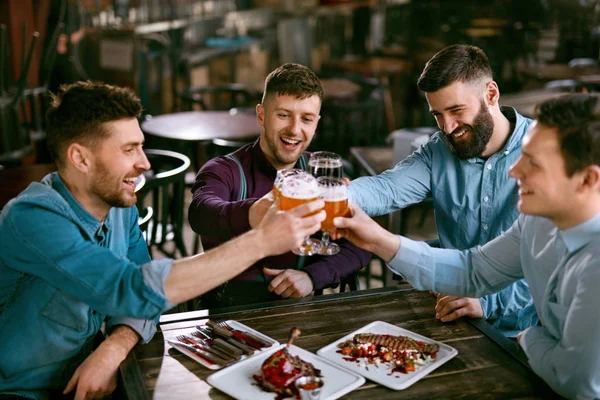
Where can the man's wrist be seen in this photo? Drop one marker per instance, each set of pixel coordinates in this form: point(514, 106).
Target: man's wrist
point(387, 246)
point(122, 339)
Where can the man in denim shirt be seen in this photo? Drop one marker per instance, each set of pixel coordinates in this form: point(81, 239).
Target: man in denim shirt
point(72, 256)
point(464, 168)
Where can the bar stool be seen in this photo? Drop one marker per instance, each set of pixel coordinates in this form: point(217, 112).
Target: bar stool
point(216, 97)
point(165, 183)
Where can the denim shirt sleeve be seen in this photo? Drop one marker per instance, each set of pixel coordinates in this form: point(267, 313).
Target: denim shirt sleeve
point(137, 253)
point(95, 275)
point(510, 310)
point(409, 182)
point(473, 273)
point(570, 364)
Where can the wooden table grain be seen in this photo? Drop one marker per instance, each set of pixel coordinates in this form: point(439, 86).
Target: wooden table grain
point(482, 369)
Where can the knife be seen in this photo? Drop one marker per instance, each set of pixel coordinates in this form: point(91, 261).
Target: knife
point(205, 356)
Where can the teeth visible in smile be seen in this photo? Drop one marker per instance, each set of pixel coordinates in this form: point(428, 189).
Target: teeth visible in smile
point(129, 180)
point(459, 134)
point(290, 141)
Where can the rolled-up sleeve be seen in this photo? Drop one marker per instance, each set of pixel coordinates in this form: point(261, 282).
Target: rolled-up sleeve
point(211, 212)
point(409, 182)
point(95, 275)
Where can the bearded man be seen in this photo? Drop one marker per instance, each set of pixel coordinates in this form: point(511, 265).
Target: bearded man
point(464, 168)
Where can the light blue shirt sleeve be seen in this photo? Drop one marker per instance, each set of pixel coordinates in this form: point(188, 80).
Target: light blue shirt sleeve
point(452, 271)
point(409, 182)
point(570, 364)
point(73, 265)
point(138, 253)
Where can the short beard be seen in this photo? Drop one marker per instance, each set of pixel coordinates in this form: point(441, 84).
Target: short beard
point(112, 198)
point(482, 129)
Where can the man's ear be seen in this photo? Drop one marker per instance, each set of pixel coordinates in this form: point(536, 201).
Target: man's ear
point(590, 179)
point(79, 157)
point(492, 93)
point(260, 115)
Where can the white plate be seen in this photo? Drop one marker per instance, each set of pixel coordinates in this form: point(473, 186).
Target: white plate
point(237, 381)
point(397, 380)
point(172, 335)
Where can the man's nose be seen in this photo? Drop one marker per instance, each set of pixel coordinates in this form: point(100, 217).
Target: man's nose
point(296, 128)
point(143, 162)
point(450, 125)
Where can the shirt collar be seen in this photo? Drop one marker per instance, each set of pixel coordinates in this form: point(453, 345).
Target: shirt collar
point(519, 124)
point(91, 225)
point(264, 164)
point(582, 234)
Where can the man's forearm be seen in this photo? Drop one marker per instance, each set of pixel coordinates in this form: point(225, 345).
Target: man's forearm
point(122, 339)
point(190, 278)
point(387, 246)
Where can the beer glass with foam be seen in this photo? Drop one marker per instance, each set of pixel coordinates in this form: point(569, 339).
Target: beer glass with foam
point(325, 163)
point(334, 193)
point(295, 190)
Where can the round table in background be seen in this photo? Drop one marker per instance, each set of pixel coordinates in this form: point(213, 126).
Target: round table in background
point(203, 126)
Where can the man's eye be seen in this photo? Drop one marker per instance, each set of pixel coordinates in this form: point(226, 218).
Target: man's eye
point(308, 119)
point(282, 115)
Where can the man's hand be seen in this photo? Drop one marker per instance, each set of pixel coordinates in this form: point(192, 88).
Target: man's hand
point(361, 230)
point(260, 208)
point(283, 231)
point(449, 308)
point(96, 377)
point(289, 283)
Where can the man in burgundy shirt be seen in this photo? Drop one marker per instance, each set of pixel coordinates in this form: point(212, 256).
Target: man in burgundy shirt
point(226, 204)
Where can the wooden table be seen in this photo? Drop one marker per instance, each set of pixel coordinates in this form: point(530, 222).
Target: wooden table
point(483, 367)
point(372, 160)
point(203, 126)
point(552, 72)
point(14, 180)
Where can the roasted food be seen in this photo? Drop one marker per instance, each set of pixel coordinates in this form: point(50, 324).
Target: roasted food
point(402, 353)
point(280, 371)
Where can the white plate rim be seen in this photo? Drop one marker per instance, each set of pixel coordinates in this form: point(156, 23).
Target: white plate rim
point(384, 379)
point(359, 379)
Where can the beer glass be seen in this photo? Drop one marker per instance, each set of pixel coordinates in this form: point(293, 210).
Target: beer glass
point(334, 193)
point(297, 189)
point(281, 174)
point(325, 163)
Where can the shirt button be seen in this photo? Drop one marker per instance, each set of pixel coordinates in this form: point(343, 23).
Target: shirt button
point(489, 166)
point(485, 227)
point(506, 152)
point(486, 199)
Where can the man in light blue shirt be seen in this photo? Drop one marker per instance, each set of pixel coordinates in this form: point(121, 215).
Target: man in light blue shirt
point(464, 168)
point(555, 245)
point(72, 256)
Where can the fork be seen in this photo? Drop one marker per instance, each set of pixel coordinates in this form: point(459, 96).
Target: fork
point(246, 336)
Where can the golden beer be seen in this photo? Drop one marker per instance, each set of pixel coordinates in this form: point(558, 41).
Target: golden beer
point(333, 209)
point(335, 194)
point(297, 189)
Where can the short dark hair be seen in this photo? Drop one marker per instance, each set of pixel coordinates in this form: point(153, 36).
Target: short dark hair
point(295, 80)
point(456, 63)
point(78, 111)
point(577, 119)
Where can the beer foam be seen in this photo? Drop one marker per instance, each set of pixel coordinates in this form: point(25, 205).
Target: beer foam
point(334, 193)
point(300, 187)
point(325, 163)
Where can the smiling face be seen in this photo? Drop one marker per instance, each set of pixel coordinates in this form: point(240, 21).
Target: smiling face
point(544, 187)
point(115, 163)
point(463, 117)
point(288, 126)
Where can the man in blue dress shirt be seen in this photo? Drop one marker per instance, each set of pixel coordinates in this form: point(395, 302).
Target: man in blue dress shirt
point(554, 244)
point(72, 256)
point(464, 168)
